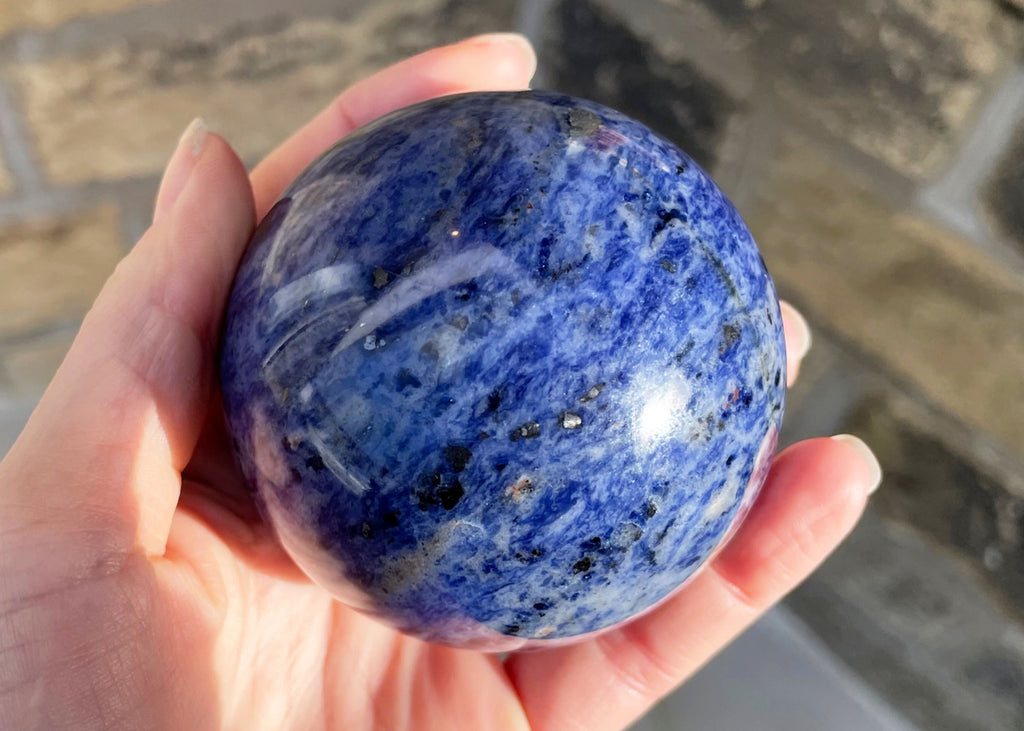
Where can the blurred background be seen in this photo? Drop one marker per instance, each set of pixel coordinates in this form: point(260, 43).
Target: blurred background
point(875, 148)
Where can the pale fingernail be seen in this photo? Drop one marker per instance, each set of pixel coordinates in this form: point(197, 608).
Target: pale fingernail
point(189, 148)
point(868, 457)
point(194, 137)
point(800, 330)
point(516, 40)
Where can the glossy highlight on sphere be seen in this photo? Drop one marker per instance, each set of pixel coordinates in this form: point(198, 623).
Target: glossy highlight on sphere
point(503, 369)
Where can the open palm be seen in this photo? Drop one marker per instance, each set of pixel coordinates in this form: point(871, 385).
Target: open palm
point(139, 589)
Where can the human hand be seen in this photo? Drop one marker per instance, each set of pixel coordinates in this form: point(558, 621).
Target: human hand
point(139, 588)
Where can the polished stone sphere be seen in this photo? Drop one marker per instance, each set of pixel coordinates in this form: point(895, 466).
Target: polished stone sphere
point(503, 369)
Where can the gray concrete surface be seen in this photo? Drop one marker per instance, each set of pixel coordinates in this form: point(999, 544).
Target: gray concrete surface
point(776, 677)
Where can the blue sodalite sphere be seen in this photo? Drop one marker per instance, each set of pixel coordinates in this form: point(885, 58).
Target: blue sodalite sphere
point(503, 369)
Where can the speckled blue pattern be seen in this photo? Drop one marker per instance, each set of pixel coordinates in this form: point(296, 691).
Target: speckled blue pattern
point(502, 368)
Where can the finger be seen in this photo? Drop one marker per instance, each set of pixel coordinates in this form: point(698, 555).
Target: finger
point(493, 62)
point(125, 408)
point(798, 340)
point(815, 493)
point(213, 490)
point(179, 169)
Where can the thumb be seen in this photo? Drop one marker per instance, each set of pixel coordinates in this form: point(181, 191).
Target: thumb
point(105, 448)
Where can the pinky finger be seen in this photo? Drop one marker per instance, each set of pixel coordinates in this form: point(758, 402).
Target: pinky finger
point(813, 497)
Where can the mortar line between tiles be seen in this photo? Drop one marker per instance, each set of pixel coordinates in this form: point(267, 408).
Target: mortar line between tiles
point(17, 148)
point(90, 32)
point(952, 198)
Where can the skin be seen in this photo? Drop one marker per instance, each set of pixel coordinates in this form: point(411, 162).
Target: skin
point(139, 589)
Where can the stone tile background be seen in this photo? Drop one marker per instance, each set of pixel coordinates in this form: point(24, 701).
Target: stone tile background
point(875, 149)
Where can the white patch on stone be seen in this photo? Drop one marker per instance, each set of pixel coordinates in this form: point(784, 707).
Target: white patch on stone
point(629, 216)
point(347, 479)
point(439, 275)
point(593, 245)
point(723, 500)
point(671, 229)
point(313, 287)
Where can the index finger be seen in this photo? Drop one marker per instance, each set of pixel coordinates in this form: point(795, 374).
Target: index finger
point(491, 62)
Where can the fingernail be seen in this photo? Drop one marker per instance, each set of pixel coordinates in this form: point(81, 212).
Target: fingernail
point(516, 40)
point(189, 148)
point(801, 331)
point(194, 137)
point(868, 457)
